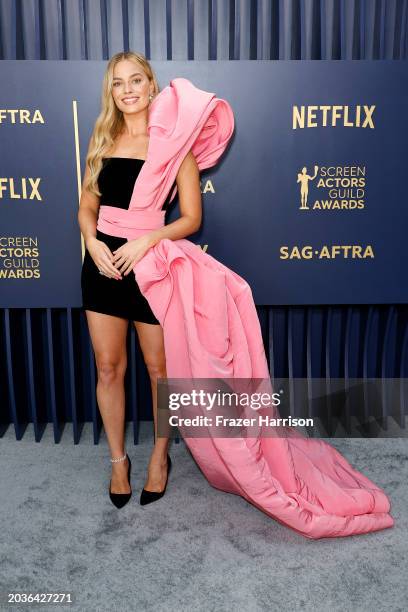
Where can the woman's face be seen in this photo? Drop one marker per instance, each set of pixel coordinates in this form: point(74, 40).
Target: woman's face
point(130, 87)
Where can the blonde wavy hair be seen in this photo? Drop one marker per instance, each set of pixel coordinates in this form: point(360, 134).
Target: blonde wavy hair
point(110, 120)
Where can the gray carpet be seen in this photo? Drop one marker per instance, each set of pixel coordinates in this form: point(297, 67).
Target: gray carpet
point(195, 549)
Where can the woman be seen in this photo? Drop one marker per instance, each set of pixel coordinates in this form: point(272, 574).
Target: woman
point(116, 153)
point(209, 328)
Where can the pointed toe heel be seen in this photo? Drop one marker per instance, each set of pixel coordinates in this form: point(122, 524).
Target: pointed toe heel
point(147, 497)
point(121, 499)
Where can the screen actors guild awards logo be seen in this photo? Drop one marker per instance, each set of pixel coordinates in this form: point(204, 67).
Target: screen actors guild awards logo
point(337, 188)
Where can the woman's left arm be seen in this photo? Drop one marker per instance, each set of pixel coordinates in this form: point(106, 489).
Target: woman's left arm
point(188, 186)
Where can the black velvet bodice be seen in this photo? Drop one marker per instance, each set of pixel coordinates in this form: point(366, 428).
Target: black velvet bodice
point(117, 179)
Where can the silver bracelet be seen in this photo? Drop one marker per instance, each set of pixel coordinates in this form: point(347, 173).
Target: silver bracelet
point(119, 459)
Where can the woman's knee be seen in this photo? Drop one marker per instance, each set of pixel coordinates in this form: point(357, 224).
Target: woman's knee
point(156, 366)
point(110, 369)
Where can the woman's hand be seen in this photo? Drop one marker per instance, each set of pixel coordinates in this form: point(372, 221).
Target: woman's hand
point(102, 256)
point(126, 256)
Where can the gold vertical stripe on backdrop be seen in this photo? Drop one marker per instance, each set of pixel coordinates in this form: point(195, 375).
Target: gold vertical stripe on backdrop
point(78, 163)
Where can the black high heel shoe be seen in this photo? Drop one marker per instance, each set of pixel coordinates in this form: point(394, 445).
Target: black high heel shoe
point(120, 499)
point(147, 497)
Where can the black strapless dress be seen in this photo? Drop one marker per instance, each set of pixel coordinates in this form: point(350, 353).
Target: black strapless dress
point(120, 298)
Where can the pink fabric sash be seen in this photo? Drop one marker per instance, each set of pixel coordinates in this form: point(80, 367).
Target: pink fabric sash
point(128, 224)
point(211, 330)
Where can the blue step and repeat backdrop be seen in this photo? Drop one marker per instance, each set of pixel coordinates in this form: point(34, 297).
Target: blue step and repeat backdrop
point(308, 204)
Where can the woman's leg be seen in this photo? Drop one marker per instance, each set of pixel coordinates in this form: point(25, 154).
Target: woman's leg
point(108, 336)
point(152, 346)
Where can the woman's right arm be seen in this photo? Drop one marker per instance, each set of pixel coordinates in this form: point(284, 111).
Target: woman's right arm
point(87, 220)
point(88, 211)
